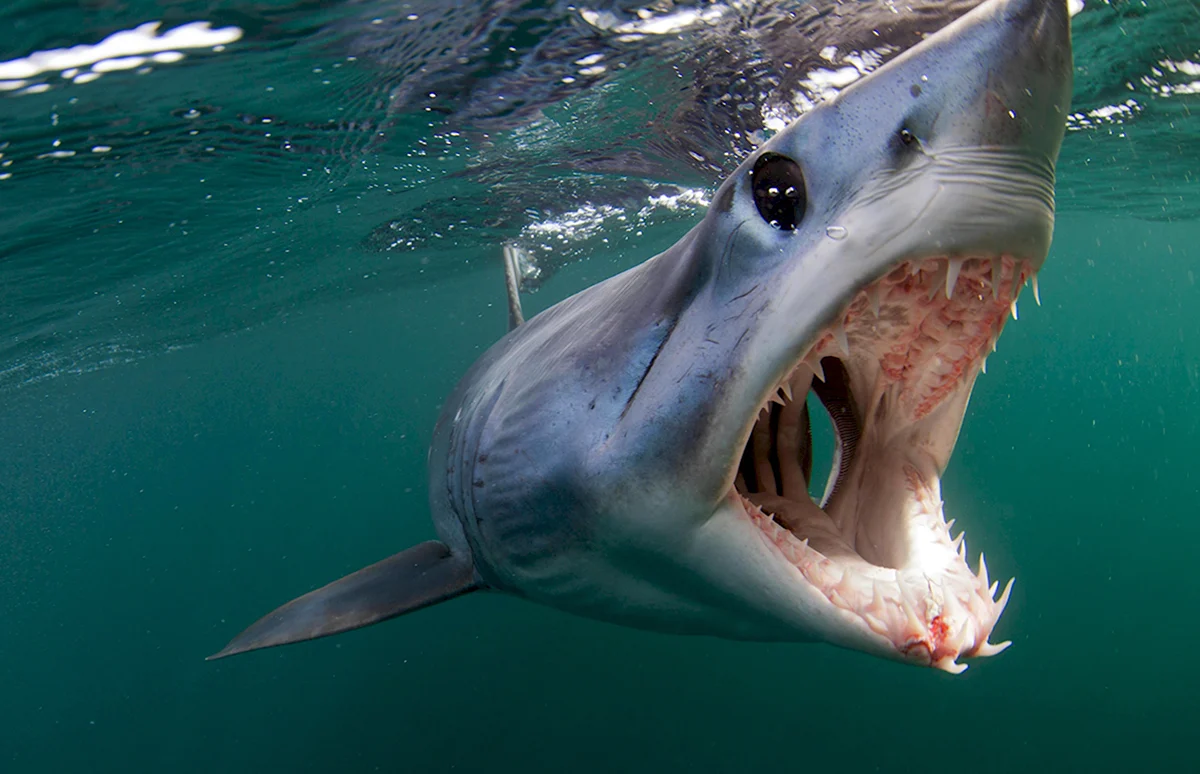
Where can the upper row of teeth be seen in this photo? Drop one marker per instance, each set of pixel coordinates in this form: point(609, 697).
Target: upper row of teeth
point(953, 267)
point(837, 330)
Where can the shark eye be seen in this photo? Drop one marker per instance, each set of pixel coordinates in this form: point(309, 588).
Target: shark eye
point(779, 193)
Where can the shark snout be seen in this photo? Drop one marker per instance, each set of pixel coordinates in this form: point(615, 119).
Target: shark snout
point(1029, 76)
point(986, 100)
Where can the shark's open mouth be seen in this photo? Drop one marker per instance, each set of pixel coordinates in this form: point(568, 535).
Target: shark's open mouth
point(894, 371)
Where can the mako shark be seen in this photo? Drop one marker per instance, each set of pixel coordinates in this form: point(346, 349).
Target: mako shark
point(640, 453)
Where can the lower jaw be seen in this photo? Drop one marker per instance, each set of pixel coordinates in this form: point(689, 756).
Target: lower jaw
point(912, 614)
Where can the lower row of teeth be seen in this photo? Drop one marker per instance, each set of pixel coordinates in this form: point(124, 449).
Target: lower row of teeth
point(913, 629)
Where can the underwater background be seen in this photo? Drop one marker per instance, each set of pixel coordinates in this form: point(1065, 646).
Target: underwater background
point(245, 253)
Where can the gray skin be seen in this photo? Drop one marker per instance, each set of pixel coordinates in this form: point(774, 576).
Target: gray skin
point(586, 460)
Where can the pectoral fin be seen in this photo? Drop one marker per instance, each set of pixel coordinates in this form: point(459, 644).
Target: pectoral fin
point(418, 577)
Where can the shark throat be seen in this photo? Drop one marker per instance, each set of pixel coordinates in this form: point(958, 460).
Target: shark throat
point(894, 371)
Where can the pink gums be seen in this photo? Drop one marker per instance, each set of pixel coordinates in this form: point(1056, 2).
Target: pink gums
point(930, 341)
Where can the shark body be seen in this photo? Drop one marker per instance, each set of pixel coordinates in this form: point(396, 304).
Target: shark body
point(641, 452)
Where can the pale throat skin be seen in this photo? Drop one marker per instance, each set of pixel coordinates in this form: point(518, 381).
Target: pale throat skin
point(635, 453)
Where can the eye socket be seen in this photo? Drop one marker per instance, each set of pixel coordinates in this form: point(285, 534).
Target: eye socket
point(779, 192)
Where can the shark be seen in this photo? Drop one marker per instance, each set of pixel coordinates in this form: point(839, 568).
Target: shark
point(641, 452)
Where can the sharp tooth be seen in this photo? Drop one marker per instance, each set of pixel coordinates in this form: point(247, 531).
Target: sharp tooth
point(950, 525)
point(994, 341)
point(1003, 601)
point(877, 603)
point(1013, 309)
point(939, 279)
point(952, 269)
point(988, 649)
point(875, 298)
point(877, 625)
point(997, 273)
point(802, 375)
point(948, 664)
point(983, 576)
point(839, 335)
point(1036, 295)
point(814, 362)
point(957, 543)
point(962, 547)
point(992, 590)
point(983, 366)
point(786, 389)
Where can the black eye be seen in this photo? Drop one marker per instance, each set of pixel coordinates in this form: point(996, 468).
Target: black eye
point(779, 194)
point(907, 137)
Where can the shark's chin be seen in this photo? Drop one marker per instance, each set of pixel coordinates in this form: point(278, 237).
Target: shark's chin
point(895, 372)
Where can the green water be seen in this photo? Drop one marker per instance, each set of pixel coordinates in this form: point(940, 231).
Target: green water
point(210, 405)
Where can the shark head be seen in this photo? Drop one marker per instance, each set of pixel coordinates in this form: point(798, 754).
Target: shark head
point(641, 452)
point(870, 254)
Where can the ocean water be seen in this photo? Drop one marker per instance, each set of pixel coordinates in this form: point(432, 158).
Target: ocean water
point(246, 253)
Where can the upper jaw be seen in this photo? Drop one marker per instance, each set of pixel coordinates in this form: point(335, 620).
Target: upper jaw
point(980, 188)
point(909, 294)
point(915, 285)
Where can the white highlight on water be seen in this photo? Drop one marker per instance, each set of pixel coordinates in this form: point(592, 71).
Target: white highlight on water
point(124, 50)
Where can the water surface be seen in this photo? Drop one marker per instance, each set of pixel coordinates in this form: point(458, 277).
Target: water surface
point(236, 283)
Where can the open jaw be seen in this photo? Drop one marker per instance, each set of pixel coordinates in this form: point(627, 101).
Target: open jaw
point(894, 371)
